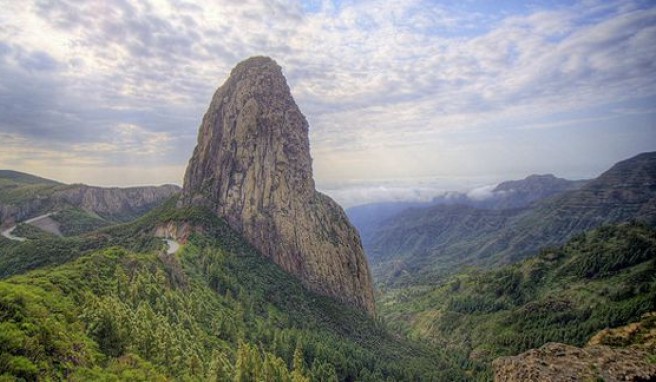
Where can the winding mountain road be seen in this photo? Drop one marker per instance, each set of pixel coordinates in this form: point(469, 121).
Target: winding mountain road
point(7, 232)
point(172, 246)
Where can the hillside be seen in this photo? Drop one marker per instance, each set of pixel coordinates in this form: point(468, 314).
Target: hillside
point(369, 218)
point(9, 179)
point(76, 208)
point(421, 245)
point(216, 310)
point(602, 278)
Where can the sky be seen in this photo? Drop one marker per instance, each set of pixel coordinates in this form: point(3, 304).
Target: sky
point(405, 99)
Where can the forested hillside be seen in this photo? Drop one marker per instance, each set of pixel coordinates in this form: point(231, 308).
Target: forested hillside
point(602, 278)
point(216, 310)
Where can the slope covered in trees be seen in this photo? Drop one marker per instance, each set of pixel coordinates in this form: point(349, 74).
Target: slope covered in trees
point(216, 310)
point(602, 278)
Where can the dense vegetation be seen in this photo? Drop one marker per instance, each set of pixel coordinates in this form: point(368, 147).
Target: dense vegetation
point(603, 278)
point(44, 249)
point(109, 305)
point(215, 311)
point(73, 221)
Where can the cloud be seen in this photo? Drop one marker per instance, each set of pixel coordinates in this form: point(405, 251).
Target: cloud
point(483, 193)
point(353, 195)
point(385, 85)
point(40, 61)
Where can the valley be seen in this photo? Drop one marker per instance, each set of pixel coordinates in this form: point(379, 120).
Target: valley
point(601, 279)
point(422, 245)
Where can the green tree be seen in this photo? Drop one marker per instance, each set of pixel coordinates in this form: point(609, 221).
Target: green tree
point(298, 374)
point(248, 364)
point(274, 369)
point(323, 372)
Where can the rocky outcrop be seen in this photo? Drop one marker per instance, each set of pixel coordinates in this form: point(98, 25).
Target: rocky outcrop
point(116, 203)
point(556, 362)
point(619, 354)
point(638, 335)
point(252, 166)
point(179, 231)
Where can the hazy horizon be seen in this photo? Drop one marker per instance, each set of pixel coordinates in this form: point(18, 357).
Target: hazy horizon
point(403, 100)
point(351, 193)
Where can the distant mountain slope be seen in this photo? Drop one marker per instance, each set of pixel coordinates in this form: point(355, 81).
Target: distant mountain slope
point(368, 218)
point(9, 178)
point(421, 245)
point(627, 191)
point(601, 278)
point(24, 196)
point(521, 193)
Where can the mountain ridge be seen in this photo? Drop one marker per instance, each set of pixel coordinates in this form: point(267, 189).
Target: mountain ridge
point(510, 194)
point(626, 191)
point(23, 196)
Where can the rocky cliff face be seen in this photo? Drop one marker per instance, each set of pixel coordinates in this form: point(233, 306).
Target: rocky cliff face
point(252, 166)
point(23, 196)
point(117, 203)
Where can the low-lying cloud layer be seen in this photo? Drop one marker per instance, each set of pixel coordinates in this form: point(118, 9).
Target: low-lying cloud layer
point(421, 190)
point(391, 89)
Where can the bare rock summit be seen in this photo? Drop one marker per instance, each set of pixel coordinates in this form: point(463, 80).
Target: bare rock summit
point(252, 166)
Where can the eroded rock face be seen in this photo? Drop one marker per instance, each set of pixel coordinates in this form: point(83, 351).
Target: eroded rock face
point(117, 203)
point(114, 204)
point(175, 230)
point(555, 362)
point(252, 166)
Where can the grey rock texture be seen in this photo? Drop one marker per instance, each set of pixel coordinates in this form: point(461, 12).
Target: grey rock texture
point(555, 362)
point(113, 204)
point(252, 166)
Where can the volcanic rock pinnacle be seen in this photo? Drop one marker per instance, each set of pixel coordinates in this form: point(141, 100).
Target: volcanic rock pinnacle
point(252, 166)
